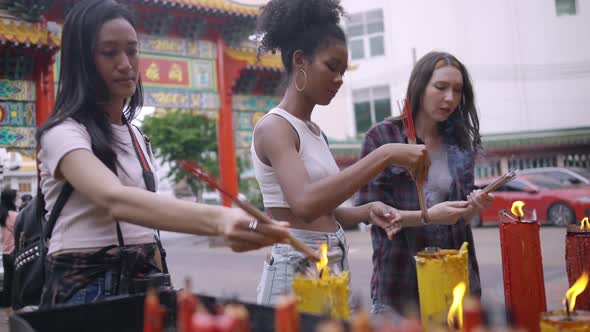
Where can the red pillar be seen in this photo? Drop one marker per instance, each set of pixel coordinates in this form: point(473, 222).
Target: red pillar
point(44, 87)
point(228, 72)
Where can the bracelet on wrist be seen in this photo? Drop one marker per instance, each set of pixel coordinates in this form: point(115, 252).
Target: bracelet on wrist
point(424, 219)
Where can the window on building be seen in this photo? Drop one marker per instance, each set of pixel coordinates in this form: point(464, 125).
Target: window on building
point(366, 34)
point(565, 7)
point(371, 105)
point(24, 187)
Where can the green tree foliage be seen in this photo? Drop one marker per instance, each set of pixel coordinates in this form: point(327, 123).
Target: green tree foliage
point(184, 136)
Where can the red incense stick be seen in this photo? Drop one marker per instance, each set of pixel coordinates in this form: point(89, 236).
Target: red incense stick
point(408, 122)
point(199, 171)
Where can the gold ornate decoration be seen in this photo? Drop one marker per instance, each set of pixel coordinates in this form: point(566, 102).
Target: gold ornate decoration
point(268, 60)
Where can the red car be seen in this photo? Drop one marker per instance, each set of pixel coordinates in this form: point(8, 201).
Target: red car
point(556, 203)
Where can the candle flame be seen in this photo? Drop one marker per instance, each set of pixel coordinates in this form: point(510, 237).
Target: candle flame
point(577, 289)
point(517, 209)
point(456, 309)
point(323, 257)
point(585, 224)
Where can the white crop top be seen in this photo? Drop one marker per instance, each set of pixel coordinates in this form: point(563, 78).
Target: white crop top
point(313, 151)
point(81, 223)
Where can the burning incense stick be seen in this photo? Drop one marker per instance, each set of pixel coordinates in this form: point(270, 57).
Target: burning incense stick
point(499, 182)
point(406, 116)
point(202, 174)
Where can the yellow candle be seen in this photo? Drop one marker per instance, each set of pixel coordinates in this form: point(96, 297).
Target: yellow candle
point(569, 320)
point(328, 292)
point(439, 271)
point(558, 321)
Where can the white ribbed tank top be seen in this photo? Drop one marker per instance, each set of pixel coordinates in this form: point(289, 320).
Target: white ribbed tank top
point(313, 151)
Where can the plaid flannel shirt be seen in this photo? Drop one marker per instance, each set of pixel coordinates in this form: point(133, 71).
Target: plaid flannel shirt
point(394, 281)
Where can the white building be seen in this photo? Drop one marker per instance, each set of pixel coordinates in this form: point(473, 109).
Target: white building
point(529, 61)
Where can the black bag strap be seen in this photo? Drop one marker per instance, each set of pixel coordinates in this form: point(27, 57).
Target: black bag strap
point(148, 176)
point(65, 193)
point(150, 184)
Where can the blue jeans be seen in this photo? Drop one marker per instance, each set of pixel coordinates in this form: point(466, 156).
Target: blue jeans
point(98, 290)
point(277, 275)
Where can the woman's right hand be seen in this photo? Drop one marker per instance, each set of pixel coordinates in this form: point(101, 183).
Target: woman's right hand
point(448, 213)
point(240, 237)
point(413, 157)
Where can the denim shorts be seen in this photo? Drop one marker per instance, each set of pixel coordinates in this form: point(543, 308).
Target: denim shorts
point(98, 290)
point(278, 272)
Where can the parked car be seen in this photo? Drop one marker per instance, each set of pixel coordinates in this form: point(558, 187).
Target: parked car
point(555, 202)
point(568, 175)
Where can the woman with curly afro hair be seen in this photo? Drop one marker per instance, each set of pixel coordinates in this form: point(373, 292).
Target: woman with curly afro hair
point(298, 177)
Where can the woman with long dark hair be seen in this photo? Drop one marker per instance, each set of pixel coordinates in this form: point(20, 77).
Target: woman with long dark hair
point(7, 220)
point(299, 179)
point(443, 108)
point(104, 235)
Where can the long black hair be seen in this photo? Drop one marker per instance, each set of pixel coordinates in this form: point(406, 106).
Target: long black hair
point(291, 25)
point(462, 127)
point(7, 203)
point(81, 90)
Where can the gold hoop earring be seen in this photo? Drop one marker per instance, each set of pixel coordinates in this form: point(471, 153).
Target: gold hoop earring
point(304, 81)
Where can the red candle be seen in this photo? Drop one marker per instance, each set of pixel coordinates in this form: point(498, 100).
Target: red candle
point(203, 322)
point(577, 248)
point(186, 307)
point(286, 315)
point(153, 313)
point(227, 323)
point(240, 315)
point(472, 314)
point(524, 288)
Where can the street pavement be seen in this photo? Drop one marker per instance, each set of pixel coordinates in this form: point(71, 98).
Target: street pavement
point(219, 272)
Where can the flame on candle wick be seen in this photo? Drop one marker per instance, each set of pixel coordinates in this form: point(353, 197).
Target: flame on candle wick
point(456, 309)
point(517, 209)
point(323, 258)
point(585, 224)
point(577, 289)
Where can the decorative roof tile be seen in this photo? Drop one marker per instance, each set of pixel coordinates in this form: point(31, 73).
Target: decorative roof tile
point(28, 34)
point(221, 6)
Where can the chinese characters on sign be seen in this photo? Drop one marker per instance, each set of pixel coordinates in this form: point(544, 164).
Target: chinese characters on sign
point(156, 71)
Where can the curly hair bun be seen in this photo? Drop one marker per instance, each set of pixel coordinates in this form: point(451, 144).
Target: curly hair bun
point(285, 22)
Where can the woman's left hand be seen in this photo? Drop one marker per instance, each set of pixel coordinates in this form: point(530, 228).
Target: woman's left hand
point(386, 217)
point(479, 199)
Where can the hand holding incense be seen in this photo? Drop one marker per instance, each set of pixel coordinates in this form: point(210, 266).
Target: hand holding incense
point(202, 174)
point(408, 122)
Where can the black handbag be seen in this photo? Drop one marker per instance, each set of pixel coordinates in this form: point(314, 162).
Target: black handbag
point(31, 233)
